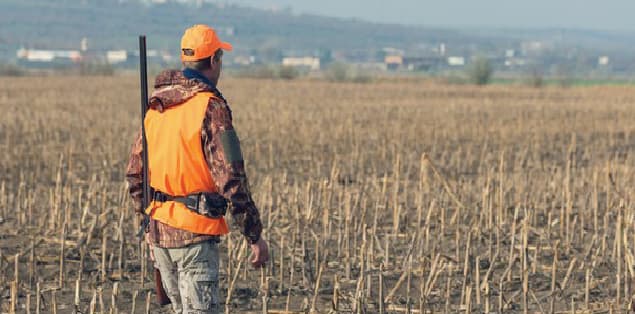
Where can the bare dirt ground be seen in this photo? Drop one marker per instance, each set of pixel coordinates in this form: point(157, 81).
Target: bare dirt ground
point(427, 197)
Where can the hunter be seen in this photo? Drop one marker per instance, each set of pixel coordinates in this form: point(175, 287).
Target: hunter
point(196, 172)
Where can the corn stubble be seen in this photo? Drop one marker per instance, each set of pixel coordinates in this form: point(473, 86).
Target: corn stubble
point(392, 197)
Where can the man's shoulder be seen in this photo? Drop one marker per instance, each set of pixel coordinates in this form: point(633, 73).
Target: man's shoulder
point(218, 111)
point(216, 103)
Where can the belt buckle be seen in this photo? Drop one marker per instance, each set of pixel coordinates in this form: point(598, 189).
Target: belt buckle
point(193, 202)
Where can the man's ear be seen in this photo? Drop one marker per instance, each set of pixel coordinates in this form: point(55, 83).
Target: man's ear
point(213, 61)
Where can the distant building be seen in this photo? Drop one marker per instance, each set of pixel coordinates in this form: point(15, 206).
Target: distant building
point(604, 61)
point(244, 60)
point(313, 63)
point(158, 57)
point(442, 50)
point(422, 63)
point(515, 62)
point(456, 61)
point(393, 62)
point(34, 55)
point(116, 56)
point(84, 44)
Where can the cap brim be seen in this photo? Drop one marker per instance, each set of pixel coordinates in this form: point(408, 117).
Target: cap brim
point(226, 46)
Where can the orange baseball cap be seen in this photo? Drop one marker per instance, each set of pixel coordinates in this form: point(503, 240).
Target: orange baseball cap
point(200, 41)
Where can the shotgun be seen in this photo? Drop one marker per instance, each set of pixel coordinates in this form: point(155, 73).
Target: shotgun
point(162, 297)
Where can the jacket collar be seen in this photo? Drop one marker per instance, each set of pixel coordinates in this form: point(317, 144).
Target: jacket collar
point(192, 74)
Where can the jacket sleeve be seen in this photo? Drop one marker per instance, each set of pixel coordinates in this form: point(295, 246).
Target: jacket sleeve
point(224, 159)
point(134, 173)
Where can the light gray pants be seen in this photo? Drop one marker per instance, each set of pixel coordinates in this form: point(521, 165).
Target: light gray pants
point(190, 277)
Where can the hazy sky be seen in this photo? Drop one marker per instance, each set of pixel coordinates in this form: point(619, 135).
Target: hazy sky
point(587, 14)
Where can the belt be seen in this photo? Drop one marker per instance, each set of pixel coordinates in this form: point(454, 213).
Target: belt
point(212, 205)
point(190, 201)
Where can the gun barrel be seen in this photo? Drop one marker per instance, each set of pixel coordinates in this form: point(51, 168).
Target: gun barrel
point(143, 69)
point(162, 296)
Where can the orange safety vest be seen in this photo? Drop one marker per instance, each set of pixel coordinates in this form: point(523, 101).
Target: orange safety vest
point(178, 166)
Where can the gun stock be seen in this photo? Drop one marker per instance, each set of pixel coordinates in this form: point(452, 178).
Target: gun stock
point(162, 297)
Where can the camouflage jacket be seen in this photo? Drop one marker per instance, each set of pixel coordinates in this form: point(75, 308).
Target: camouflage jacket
point(173, 88)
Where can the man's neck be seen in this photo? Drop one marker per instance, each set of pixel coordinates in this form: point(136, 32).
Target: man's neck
point(195, 74)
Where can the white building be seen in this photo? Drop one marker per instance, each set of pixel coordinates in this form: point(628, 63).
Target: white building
point(244, 60)
point(312, 63)
point(33, 55)
point(456, 61)
point(116, 56)
point(604, 60)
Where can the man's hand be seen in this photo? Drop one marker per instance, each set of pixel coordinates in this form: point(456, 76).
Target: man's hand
point(259, 253)
point(150, 246)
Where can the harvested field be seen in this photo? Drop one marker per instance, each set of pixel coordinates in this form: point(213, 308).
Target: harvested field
point(429, 197)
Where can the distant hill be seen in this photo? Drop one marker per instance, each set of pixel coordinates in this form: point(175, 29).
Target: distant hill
point(114, 24)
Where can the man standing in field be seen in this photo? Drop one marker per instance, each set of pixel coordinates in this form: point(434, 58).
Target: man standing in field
point(196, 168)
